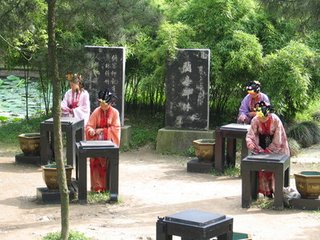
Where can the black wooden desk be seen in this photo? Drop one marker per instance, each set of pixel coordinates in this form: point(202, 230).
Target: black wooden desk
point(227, 157)
point(195, 225)
point(87, 149)
point(74, 129)
point(276, 163)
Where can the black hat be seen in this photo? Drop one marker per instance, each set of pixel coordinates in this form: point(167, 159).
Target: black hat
point(263, 108)
point(253, 86)
point(106, 96)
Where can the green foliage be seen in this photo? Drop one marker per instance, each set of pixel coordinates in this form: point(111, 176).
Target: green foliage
point(301, 134)
point(303, 12)
point(9, 132)
point(286, 79)
point(73, 235)
point(310, 112)
point(190, 152)
point(144, 129)
point(94, 197)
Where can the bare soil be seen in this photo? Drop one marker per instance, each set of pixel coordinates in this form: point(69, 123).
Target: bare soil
point(151, 186)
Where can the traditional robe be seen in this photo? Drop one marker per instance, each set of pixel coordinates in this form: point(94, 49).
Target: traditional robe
point(268, 137)
point(109, 121)
point(79, 102)
point(248, 104)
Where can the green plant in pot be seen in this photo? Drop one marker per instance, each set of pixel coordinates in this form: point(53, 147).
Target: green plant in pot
point(50, 175)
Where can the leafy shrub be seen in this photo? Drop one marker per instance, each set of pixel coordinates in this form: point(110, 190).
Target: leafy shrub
point(316, 116)
point(314, 130)
point(294, 147)
point(301, 134)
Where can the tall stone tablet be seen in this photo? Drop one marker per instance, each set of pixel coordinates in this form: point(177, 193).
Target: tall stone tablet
point(105, 68)
point(187, 90)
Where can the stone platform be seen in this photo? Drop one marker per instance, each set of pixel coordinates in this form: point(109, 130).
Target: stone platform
point(46, 195)
point(197, 166)
point(305, 204)
point(21, 158)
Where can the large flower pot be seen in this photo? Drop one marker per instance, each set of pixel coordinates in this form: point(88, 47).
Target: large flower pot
point(308, 184)
point(204, 149)
point(30, 143)
point(50, 175)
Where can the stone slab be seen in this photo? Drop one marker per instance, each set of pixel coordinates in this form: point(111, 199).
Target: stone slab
point(187, 90)
point(175, 141)
point(105, 68)
point(197, 166)
point(52, 196)
point(305, 204)
point(21, 158)
point(125, 137)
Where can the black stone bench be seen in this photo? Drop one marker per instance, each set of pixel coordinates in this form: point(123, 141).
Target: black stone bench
point(195, 225)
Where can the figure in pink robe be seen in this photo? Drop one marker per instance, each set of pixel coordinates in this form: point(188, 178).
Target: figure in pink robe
point(266, 135)
point(76, 102)
point(103, 124)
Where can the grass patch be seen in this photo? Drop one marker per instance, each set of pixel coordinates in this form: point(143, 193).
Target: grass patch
point(9, 131)
point(94, 197)
point(229, 171)
point(73, 235)
point(144, 129)
point(263, 203)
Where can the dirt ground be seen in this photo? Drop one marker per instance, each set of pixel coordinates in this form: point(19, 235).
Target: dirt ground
point(151, 185)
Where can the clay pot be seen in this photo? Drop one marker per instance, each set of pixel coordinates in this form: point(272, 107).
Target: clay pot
point(50, 175)
point(204, 149)
point(30, 143)
point(308, 184)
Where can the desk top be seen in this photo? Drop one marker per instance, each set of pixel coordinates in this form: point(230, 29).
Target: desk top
point(195, 217)
point(267, 157)
point(96, 144)
point(65, 120)
point(236, 127)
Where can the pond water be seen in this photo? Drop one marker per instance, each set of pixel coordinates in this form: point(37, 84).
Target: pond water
point(13, 98)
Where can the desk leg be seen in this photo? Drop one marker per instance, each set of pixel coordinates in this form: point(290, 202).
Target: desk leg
point(287, 177)
point(246, 187)
point(113, 177)
point(244, 149)
point(231, 152)
point(278, 195)
point(226, 236)
point(79, 134)
point(161, 230)
point(219, 151)
point(44, 145)
point(70, 146)
point(82, 188)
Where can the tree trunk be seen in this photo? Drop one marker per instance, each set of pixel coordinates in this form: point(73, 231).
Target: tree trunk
point(54, 76)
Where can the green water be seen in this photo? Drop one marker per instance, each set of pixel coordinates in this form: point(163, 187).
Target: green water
point(13, 98)
point(310, 173)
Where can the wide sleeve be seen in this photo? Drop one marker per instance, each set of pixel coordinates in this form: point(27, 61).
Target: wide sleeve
point(82, 111)
point(64, 103)
point(92, 124)
point(114, 128)
point(265, 98)
point(244, 107)
point(252, 137)
point(279, 142)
